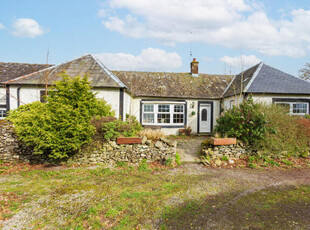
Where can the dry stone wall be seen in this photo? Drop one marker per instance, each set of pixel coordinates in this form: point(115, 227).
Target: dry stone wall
point(230, 151)
point(111, 153)
point(11, 150)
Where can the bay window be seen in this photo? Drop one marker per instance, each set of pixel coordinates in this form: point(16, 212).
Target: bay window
point(163, 114)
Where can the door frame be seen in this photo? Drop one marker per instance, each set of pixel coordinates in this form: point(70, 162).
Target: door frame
point(198, 117)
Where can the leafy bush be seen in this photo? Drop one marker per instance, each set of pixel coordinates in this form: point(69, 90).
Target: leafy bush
point(247, 123)
point(287, 135)
point(61, 126)
point(111, 128)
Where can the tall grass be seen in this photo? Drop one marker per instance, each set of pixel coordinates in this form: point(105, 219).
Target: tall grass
point(285, 135)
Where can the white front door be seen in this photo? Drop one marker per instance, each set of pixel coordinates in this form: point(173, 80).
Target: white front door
point(205, 118)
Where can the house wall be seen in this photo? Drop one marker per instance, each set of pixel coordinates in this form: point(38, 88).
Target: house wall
point(236, 99)
point(2, 95)
point(267, 98)
point(192, 120)
point(29, 94)
point(112, 96)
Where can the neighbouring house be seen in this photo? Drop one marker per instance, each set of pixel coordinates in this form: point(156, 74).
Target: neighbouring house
point(10, 71)
point(169, 101)
point(269, 85)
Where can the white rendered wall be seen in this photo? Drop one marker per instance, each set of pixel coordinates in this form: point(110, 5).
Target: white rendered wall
point(111, 96)
point(267, 98)
point(226, 101)
point(192, 120)
point(2, 95)
point(29, 94)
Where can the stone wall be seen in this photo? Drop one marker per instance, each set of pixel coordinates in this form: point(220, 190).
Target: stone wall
point(100, 152)
point(97, 152)
point(230, 151)
point(11, 150)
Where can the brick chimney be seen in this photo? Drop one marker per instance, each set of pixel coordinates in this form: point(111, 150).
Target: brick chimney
point(194, 68)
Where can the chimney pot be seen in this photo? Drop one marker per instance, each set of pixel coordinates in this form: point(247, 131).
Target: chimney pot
point(194, 68)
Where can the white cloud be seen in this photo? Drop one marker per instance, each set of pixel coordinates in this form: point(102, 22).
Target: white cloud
point(237, 24)
point(27, 27)
point(242, 62)
point(149, 59)
point(2, 27)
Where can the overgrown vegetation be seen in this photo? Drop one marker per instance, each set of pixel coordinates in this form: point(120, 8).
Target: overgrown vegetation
point(269, 129)
point(287, 136)
point(111, 127)
point(61, 126)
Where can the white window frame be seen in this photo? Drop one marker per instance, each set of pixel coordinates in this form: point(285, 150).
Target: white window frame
point(2, 113)
point(291, 104)
point(171, 112)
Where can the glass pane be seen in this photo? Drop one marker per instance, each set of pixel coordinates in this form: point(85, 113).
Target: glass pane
point(178, 118)
point(300, 108)
point(164, 108)
point(163, 118)
point(204, 115)
point(178, 108)
point(2, 113)
point(148, 108)
point(148, 118)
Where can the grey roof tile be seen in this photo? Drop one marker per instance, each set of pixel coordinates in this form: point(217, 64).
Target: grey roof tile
point(271, 80)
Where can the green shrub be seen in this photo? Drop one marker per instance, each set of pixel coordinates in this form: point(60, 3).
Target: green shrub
point(247, 122)
point(61, 126)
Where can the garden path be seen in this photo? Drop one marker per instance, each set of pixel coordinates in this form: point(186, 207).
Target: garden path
point(188, 147)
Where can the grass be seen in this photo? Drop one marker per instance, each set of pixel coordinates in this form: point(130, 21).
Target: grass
point(127, 197)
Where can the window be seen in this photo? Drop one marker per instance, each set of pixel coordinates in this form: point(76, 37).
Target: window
point(295, 108)
point(163, 114)
point(148, 114)
point(42, 96)
point(204, 115)
point(2, 113)
point(231, 104)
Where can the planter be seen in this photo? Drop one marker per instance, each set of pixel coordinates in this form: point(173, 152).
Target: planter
point(129, 140)
point(186, 132)
point(223, 141)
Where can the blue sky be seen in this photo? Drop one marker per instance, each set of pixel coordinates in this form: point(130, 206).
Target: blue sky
point(157, 35)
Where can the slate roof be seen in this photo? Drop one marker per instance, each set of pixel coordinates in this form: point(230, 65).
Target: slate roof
point(244, 77)
point(271, 80)
point(263, 78)
point(98, 74)
point(174, 85)
point(9, 71)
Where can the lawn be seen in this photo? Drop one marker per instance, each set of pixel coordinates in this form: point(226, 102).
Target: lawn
point(148, 197)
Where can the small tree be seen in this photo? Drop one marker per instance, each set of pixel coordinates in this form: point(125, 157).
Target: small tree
point(61, 126)
point(304, 73)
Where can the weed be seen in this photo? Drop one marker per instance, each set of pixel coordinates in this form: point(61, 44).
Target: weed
point(144, 167)
point(177, 159)
point(225, 158)
point(121, 164)
point(168, 162)
point(287, 162)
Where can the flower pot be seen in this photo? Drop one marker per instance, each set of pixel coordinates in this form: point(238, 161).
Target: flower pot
point(223, 141)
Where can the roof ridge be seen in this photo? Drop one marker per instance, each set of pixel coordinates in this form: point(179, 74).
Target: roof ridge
point(259, 67)
point(113, 76)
